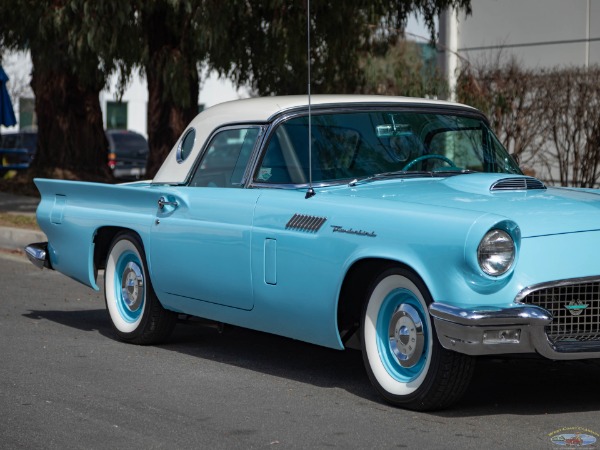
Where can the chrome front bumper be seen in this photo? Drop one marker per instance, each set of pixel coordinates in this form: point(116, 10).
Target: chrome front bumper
point(38, 254)
point(481, 331)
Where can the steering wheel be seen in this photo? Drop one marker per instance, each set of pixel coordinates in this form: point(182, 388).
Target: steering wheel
point(425, 157)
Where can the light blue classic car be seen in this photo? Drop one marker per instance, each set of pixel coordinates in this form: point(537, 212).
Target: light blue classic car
point(398, 224)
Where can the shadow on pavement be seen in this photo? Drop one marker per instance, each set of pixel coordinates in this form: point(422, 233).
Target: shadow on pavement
point(517, 386)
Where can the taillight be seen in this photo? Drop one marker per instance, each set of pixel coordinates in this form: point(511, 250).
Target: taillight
point(112, 160)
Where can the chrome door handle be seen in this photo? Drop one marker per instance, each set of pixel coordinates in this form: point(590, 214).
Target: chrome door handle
point(163, 201)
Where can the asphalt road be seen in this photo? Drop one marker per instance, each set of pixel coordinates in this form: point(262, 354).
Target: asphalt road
point(65, 383)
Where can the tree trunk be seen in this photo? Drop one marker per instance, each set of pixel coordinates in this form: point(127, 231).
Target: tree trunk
point(166, 120)
point(71, 141)
point(171, 104)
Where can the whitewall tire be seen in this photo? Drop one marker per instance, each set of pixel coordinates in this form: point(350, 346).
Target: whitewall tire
point(134, 310)
point(402, 355)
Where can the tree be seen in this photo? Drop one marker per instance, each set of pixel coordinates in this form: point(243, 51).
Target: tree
point(573, 124)
point(77, 44)
point(548, 118)
point(514, 101)
point(172, 45)
point(402, 68)
point(268, 41)
point(74, 49)
point(257, 43)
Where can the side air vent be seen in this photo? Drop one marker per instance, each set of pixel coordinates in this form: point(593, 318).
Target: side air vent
point(302, 222)
point(517, 184)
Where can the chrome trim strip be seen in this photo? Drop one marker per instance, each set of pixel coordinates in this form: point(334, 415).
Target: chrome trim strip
point(551, 284)
point(209, 139)
point(178, 155)
point(520, 315)
point(369, 106)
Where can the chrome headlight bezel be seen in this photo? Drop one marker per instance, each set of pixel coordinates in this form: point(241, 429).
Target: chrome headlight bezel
point(496, 252)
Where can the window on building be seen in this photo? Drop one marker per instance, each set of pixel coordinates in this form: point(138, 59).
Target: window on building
point(27, 117)
point(116, 115)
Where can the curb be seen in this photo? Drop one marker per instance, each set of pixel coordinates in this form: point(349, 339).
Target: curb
point(19, 238)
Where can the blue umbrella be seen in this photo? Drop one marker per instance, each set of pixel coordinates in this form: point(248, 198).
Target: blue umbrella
point(7, 115)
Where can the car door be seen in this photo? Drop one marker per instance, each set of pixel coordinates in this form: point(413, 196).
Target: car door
point(201, 239)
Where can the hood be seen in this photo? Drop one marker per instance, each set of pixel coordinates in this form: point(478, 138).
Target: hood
point(537, 210)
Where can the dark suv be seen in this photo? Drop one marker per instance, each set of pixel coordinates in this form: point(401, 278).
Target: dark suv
point(17, 150)
point(127, 153)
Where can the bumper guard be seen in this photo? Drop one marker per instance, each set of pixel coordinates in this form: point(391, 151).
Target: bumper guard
point(481, 331)
point(38, 254)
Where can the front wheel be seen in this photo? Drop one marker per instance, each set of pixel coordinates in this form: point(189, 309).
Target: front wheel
point(135, 312)
point(402, 355)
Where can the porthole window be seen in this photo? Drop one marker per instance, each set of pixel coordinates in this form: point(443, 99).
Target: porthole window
point(186, 145)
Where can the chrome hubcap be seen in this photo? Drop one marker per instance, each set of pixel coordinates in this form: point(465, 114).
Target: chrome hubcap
point(132, 286)
point(406, 338)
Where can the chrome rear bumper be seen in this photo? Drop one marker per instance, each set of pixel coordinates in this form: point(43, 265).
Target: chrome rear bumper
point(488, 331)
point(38, 254)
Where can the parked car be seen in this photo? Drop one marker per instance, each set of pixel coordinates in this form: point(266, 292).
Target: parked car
point(398, 223)
point(126, 156)
point(17, 150)
point(127, 153)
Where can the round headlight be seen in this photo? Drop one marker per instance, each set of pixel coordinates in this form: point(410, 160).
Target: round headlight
point(496, 252)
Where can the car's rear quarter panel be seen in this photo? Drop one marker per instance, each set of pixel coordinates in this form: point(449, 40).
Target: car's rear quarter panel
point(70, 213)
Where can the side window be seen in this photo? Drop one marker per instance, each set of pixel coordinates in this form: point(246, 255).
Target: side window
point(224, 160)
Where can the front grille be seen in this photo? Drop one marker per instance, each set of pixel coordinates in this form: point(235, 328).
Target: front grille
point(575, 307)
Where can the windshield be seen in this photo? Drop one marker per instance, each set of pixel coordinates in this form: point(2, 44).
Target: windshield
point(354, 145)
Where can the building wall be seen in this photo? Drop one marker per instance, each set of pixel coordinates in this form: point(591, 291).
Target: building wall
point(539, 33)
point(136, 98)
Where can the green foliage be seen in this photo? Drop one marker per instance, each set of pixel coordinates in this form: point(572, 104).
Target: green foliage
point(77, 36)
point(262, 43)
point(252, 41)
point(267, 45)
point(405, 68)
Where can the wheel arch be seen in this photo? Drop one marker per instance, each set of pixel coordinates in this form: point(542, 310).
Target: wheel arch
point(102, 240)
point(353, 293)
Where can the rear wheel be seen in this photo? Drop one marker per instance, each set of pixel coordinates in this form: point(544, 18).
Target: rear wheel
point(402, 355)
point(135, 312)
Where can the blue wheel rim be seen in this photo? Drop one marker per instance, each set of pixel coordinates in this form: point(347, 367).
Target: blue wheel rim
point(129, 286)
point(389, 305)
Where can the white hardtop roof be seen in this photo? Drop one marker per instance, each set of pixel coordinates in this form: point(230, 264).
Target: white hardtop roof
point(261, 109)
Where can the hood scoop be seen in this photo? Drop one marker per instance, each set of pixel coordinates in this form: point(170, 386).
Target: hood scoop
point(517, 184)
